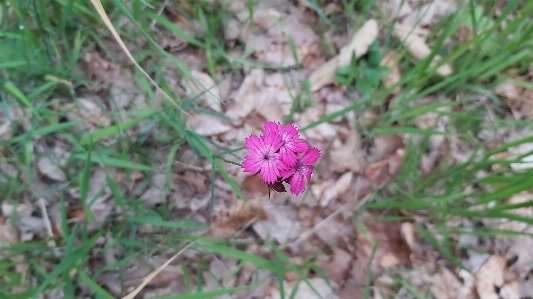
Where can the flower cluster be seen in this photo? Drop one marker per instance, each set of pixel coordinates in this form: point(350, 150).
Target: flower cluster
point(280, 155)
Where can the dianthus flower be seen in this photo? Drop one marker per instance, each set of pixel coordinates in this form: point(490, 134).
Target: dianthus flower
point(292, 144)
point(302, 170)
point(264, 157)
point(275, 157)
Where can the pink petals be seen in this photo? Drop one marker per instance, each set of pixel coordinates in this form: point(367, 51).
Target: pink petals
point(275, 156)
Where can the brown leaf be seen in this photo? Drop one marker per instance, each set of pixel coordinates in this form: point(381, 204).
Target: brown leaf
point(8, 235)
point(386, 169)
point(281, 225)
point(359, 45)
point(51, 169)
point(336, 189)
point(304, 291)
point(119, 81)
point(393, 75)
point(273, 47)
point(220, 274)
point(205, 85)
point(263, 93)
point(520, 100)
point(337, 268)
point(88, 109)
point(490, 277)
point(347, 157)
point(208, 125)
point(446, 285)
point(430, 13)
point(392, 250)
point(417, 47)
point(255, 186)
point(239, 215)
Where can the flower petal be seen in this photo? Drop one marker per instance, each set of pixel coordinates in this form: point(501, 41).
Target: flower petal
point(296, 145)
point(297, 183)
point(288, 157)
point(310, 156)
point(289, 132)
point(253, 144)
point(272, 127)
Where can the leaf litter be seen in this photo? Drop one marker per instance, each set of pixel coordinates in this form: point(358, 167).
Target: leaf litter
point(319, 223)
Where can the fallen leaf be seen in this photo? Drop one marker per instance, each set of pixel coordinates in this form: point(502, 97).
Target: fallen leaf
point(395, 9)
point(430, 13)
point(90, 110)
point(206, 86)
point(446, 285)
point(514, 247)
point(8, 235)
point(359, 46)
point(392, 250)
point(273, 47)
point(393, 75)
point(323, 131)
point(336, 189)
point(266, 94)
point(220, 274)
point(208, 125)
point(239, 215)
point(51, 169)
point(347, 157)
point(119, 81)
point(281, 225)
point(255, 186)
point(303, 291)
point(519, 99)
point(337, 268)
point(417, 47)
point(489, 277)
point(510, 290)
point(156, 192)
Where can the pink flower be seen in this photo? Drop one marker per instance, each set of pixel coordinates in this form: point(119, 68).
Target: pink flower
point(301, 171)
point(263, 158)
point(292, 144)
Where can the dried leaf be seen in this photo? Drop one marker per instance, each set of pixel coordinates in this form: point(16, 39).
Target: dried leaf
point(393, 76)
point(395, 9)
point(273, 47)
point(417, 47)
point(359, 45)
point(490, 277)
point(281, 225)
point(305, 292)
point(255, 186)
point(207, 86)
point(156, 192)
point(392, 249)
point(266, 94)
point(519, 99)
point(446, 285)
point(220, 274)
point(239, 215)
point(337, 269)
point(337, 189)
point(347, 157)
point(430, 13)
point(51, 169)
point(208, 125)
point(8, 235)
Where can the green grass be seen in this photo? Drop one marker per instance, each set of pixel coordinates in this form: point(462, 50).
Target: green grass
point(42, 43)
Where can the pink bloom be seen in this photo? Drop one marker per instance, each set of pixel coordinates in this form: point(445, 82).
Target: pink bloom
point(263, 158)
point(292, 144)
point(301, 171)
